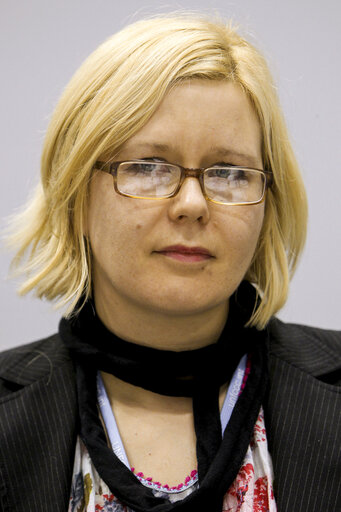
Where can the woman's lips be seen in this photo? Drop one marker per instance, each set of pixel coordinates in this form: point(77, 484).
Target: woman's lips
point(186, 254)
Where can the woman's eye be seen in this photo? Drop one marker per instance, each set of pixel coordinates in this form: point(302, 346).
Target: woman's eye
point(240, 175)
point(145, 167)
point(235, 174)
point(223, 173)
point(151, 165)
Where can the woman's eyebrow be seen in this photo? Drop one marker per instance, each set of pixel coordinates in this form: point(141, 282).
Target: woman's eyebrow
point(240, 157)
point(216, 151)
point(155, 146)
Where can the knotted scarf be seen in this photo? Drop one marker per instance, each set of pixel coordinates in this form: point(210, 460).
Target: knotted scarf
point(195, 373)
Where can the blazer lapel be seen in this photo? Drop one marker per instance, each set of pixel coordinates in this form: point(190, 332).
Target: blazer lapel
point(37, 427)
point(303, 418)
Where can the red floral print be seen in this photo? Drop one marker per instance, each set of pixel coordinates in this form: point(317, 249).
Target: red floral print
point(260, 495)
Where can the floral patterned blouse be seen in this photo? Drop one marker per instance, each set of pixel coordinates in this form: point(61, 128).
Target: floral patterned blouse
point(251, 491)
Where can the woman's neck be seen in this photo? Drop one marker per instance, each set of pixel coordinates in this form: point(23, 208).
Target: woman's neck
point(134, 397)
point(162, 330)
point(157, 431)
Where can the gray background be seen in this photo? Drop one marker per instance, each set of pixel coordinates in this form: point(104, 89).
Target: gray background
point(44, 42)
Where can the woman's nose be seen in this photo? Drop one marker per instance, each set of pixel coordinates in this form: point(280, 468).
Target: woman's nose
point(189, 205)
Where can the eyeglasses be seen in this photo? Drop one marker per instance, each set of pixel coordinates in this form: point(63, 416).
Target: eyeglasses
point(222, 184)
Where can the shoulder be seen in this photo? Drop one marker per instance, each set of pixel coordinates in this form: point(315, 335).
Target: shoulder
point(38, 425)
point(315, 350)
point(26, 364)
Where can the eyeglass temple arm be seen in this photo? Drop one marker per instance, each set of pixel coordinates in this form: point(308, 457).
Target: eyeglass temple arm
point(106, 167)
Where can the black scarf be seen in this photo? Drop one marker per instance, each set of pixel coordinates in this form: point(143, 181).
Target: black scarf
point(195, 373)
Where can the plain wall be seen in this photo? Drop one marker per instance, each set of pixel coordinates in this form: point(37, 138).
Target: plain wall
point(43, 43)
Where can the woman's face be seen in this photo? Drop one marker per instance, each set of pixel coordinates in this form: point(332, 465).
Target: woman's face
point(140, 247)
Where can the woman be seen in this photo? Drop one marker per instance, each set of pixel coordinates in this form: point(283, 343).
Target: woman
point(168, 186)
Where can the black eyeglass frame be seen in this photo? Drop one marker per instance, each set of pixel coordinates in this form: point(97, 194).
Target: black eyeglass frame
point(186, 172)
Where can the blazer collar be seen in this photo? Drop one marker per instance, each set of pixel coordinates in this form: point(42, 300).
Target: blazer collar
point(29, 363)
point(313, 350)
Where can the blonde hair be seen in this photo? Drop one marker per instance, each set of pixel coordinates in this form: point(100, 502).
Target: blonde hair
point(111, 96)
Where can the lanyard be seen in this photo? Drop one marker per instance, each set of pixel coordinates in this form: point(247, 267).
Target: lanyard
point(233, 392)
point(110, 422)
point(108, 416)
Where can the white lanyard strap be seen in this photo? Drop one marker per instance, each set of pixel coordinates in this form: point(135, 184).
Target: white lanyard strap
point(233, 392)
point(110, 422)
point(108, 416)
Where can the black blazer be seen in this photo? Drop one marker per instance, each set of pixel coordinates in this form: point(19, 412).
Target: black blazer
point(38, 422)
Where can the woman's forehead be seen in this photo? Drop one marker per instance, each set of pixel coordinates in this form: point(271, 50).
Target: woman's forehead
point(203, 117)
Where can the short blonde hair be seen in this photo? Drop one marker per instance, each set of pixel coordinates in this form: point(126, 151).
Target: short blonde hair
point(111, 96)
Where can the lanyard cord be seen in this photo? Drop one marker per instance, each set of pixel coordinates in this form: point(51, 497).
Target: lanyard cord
point(108, 416)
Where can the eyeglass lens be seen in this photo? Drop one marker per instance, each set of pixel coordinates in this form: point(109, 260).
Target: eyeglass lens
point(222, 184)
